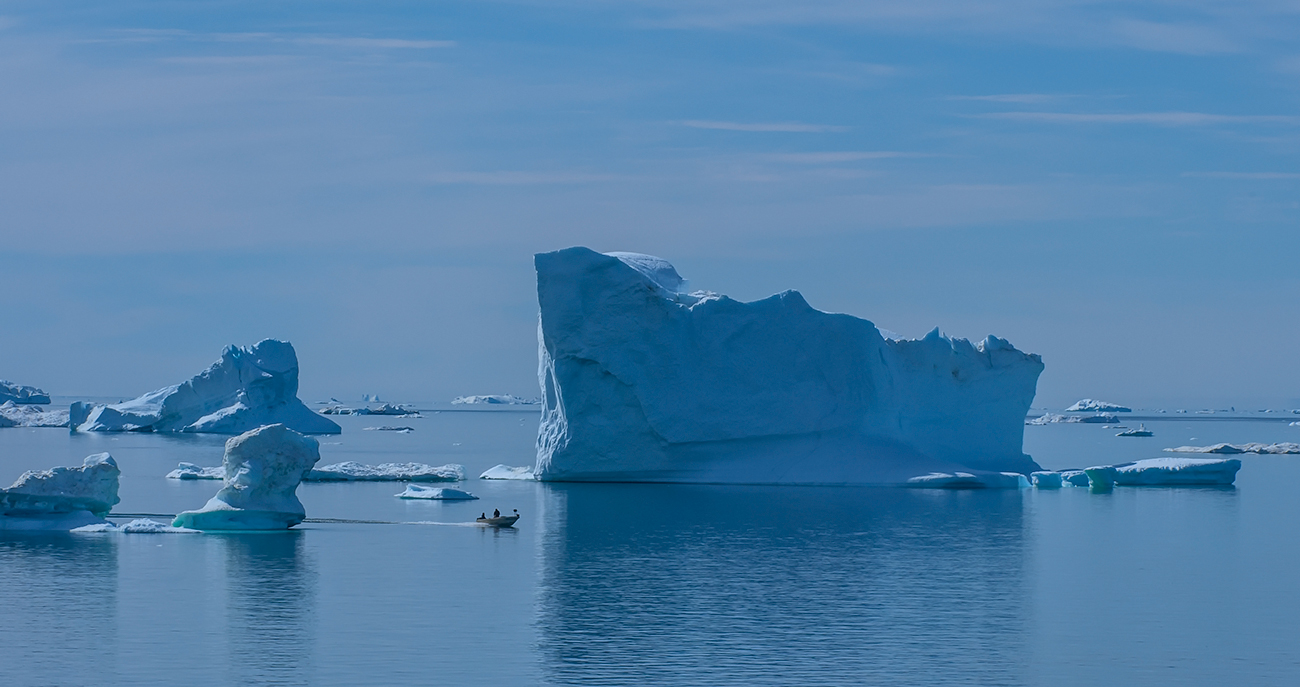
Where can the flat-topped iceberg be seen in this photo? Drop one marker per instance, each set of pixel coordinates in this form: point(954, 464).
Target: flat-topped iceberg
point(61, 498)
point(415, 491)
point(247, 388)
point(508, 473)
point(968, 480)
point(23, 415)
point(495, 399)
point(643, 383)
point(1093, 405)
point(387, 472)
point(263, 468)
point(18, 393)
point(1178, 472)
point(1281, 448)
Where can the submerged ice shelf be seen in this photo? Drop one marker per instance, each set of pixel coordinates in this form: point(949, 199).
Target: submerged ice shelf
point(643, 382)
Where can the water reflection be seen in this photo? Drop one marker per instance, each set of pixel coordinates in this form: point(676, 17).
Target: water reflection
point(271, 595)
point(688, 584)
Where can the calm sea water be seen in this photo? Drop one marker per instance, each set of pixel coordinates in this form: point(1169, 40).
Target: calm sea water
point(663, 584)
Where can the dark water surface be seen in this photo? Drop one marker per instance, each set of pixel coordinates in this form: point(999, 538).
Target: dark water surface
point(665, 584)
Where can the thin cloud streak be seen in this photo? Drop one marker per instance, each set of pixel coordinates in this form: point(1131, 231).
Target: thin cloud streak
point(843, 156)
point(1021, 98)
point(1242, 175)
point(330, 41)
point(516, 178)
point(1156, 118)
point(764, 127)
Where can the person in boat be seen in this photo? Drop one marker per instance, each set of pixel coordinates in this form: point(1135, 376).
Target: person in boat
point(496, 513)
point(482, 516)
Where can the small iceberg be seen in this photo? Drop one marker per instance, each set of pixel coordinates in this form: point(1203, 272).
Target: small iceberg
point(385, 409)
point(1046, 480)
point(1141, 431)
point(496, 399)
point(1074, 478)
point(507, 472)
point(1282, 448)
point(415, 491)
point(1089, 405)
point(61, 498)
point(192, 471)
point(1101, 419)
point(969, 480)
point(143, 526)
point(1053, 418)
point(23, 415)
point(263, 468)
point(387, 472)
point(17, 393)
point(1177, 472)
point(389, 428)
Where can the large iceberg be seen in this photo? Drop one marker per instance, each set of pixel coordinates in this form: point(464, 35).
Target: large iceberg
point(263, 468)
point(642, 382)
point(247, 388)
point(61, 498)
point(21, 394)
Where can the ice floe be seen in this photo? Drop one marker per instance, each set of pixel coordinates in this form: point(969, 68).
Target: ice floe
point(415, 491)
point(61, 498)
point(390, 428)
point(192, 471)
point(1231, 449)
point(507, 472)
point(24, 415)
point(140, 526)
point(1092, 405)
point(247, 388)
point(18, 393)
point(641, 382)
point(498, 399)
point(1052, 419)
point(1150, 472)
point(387, 472)
point(968, 480)
point(263, 468)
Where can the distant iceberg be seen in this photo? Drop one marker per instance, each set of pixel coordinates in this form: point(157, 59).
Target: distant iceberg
point(22, 394)
point(192, 471)
point(246, 389)
point(1090, 405)
point(499, 399)
point(1046, 479)
point(1232, 449)
point(415, 491)
point(387, 472)
point(61, 498)
point(644, 383)
point(385, 409)
point(22, 415)
point(1053, 418)
point(390, 428)
point(509, 473)
point(1151, 472)
point(263, 468)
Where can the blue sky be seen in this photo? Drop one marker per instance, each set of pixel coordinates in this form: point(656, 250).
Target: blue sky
point(1115, 186)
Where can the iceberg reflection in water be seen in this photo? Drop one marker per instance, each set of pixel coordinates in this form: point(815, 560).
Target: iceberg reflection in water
point(692, 584)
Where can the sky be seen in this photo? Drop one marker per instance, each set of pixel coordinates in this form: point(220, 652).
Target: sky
point(1114, 186)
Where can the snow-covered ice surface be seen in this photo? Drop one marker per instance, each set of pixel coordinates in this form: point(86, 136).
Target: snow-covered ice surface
point(1279, 448)
point(495, 399)
point(1178, 472)
point(507, 472)
point(247, 388)
point(350, 471)
point(26, 415)
point(968, 480)
point(263, 468)
point(61, 498)
point(18, 393)
point(1093, 405)
point(1053, 418)
point(415, 491)
point(138, 526)
point(641, 382)
point(192, 471)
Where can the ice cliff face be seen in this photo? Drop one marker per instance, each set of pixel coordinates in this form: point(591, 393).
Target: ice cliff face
point(641, 382)
point(262, 470)
point(245, 389)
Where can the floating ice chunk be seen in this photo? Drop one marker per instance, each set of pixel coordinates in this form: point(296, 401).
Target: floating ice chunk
point(144, 526)
point(262, 470)
point(641, 383)
point(390, 428)
point(61, 498)
point(1091, 405)
point(16, 393)
point(386, 409)
point(192, 471)
point(18, 415)
point(1046, 480)
point(968, 480)
point(247, 388)
point(507, 472)
point(1101, 477)
point(1231, 449)
point(415, 491)
point(1053, 418)
point(1074, 478)
point(495, 399)
point(1178, 472)
point(387, 472)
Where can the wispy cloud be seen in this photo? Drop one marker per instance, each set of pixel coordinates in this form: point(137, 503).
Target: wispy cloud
point(786, 127)
point(1188, 39)
point(841, 156)
point(330, 41)
point(1243, 175)
point(1021, 98)
point(516, 178)
point(1156, 118)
